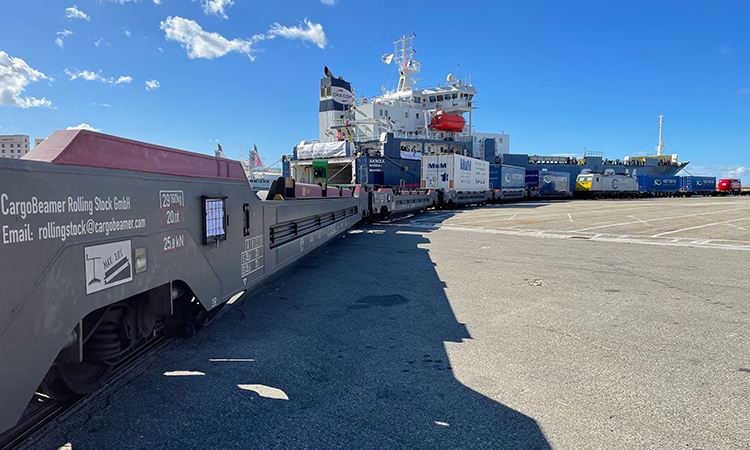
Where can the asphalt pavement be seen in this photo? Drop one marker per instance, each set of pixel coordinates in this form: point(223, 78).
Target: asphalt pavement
point(569, 325)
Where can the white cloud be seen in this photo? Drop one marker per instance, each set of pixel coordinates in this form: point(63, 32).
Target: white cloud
point(15, 74)
point(313, 33)
point(83, 126)
point(74, 13)
point(329, 2)
point(216, 7)
point(61, 37)
point(122, 2)
point(720, 171)
point(126, 31)
point(157, 2)
point(85, 74)
point(94, 76)
point(152, 84)
point(744, 91)
point(202, 44)
point(106, 105)
point(98, 41)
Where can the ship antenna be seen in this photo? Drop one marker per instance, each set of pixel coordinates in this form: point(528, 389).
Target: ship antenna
point(661, 142)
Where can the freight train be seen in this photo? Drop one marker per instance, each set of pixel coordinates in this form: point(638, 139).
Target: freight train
point(608, 184)
point(110, 243)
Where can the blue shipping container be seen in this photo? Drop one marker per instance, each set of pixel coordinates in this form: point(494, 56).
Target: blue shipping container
point(392, 172)
point(550, 182)
point(532, 180)
point(642, 182)
point(698, 184)
point(511, 177)
point(663, 183)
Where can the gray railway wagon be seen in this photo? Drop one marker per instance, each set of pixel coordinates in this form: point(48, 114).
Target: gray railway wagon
point(108, 243)
point(386, 201)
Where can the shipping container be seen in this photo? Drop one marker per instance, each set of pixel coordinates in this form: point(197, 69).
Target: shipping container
point(393, 172)
point(662, 184)
point(461, 173)
point(546, 183)
point(507, 182)
point(698, 185)
point(554, 184)
point(642, 182)
point(532, 180)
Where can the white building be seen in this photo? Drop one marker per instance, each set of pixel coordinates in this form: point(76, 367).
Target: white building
point(13, 145)
point(37, 142)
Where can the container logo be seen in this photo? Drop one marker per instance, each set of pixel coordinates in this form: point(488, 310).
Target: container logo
point(657, 182)
point(437, 165)
point(547, 179)
point(343, 96)
point(615, 183)
point(507, 177)
point(465, 164)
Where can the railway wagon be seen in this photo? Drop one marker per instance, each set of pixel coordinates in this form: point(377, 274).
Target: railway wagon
point(508, 182)
point(691, 185)
point(108, 243)
point(547, 184)
point(658, 185)
point(729, 186)
point(386, 201)
point(601, 185)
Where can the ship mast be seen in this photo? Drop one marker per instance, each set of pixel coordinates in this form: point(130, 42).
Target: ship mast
point(403, 53)
point(661, 142)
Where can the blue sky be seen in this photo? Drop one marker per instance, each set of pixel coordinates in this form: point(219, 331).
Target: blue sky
point(557, 76)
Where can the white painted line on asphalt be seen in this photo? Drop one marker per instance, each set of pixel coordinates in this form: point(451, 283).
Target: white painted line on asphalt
point(571, 219)
point(729, 225)
point(641, 221)
point(701, 226)
point(513, 216)
point(677, 242)
point(660, 218)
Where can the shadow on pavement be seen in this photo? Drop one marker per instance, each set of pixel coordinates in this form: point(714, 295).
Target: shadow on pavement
point(353, 338)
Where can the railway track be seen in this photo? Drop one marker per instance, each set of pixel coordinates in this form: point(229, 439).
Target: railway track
point(42, 409)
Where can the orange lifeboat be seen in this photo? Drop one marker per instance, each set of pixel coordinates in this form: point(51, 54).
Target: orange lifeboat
point(447, 122)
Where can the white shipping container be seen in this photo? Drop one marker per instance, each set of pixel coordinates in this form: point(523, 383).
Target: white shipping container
point(457, 172)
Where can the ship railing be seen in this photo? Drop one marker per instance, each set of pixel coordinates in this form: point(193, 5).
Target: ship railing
point(452, 103)
point(438, 86)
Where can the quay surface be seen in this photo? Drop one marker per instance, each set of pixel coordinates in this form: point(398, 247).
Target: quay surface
point(615, 324)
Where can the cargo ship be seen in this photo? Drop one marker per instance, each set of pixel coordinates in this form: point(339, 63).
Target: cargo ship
point(380, 140)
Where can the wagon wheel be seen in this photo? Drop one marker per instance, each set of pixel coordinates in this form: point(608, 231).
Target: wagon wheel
point(63, 381)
